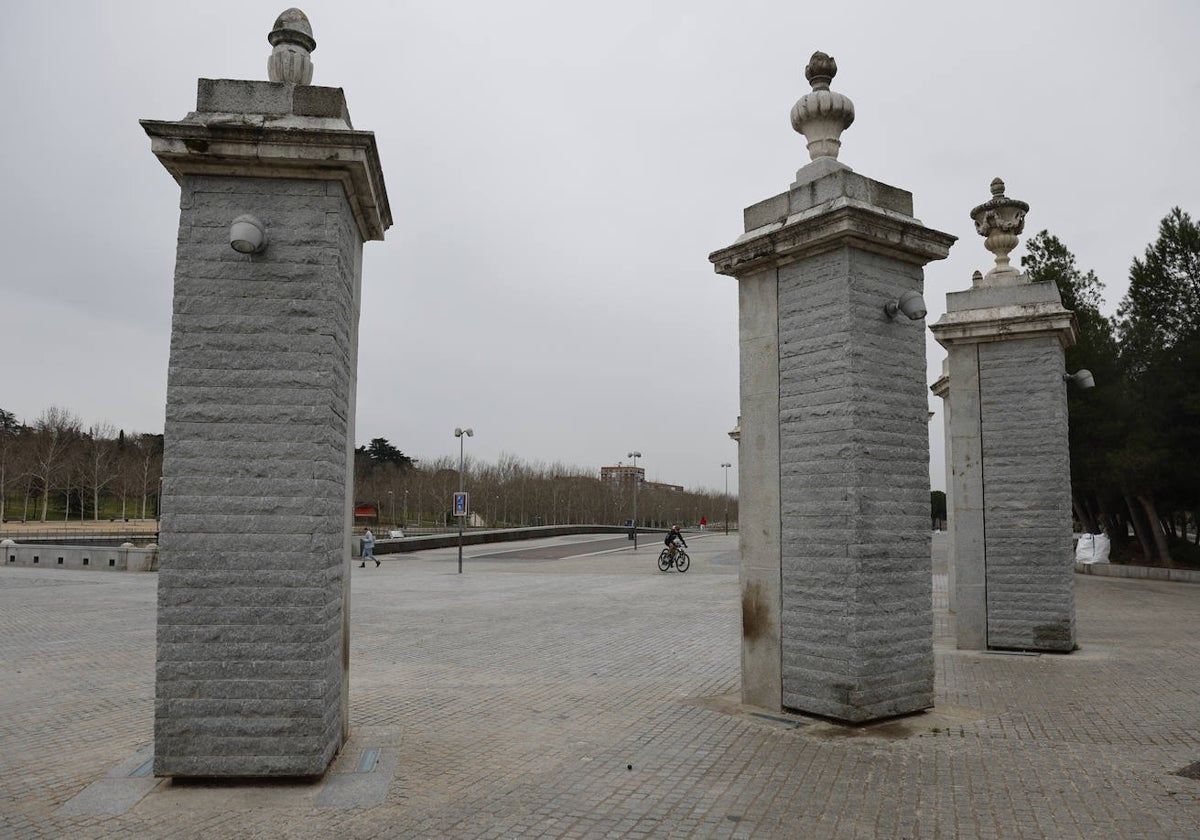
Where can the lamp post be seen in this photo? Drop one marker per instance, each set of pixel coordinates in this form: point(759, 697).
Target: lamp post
point(726, 467)
point(460, 433)
point(405, 508)
point(392, 502)
point(635, 456)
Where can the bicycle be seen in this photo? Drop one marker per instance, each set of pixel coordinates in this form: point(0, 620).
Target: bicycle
point(680, 561)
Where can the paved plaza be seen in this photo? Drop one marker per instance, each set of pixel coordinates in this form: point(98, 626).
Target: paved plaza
point(578, 692)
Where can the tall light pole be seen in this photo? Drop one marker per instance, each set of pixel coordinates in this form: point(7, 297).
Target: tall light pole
point(726, 467)
point(459, 433)
point(405, 508)
point(635, 456)
point(392, 501)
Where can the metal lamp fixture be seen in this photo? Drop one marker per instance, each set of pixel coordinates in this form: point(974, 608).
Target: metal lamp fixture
point(1081, 379)
point(910, 303)
point(247, 235)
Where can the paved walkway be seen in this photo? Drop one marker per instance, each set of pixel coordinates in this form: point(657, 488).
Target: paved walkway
point(596, 697)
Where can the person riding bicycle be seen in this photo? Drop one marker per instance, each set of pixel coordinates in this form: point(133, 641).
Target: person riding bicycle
point(672, 536)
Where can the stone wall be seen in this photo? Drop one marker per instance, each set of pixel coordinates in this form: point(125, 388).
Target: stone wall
point(255, 515)
point(854, 490)
point(1027, 495)
point(91, 557)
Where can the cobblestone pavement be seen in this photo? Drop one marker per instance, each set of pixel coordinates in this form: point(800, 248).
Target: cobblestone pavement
point(596, 697)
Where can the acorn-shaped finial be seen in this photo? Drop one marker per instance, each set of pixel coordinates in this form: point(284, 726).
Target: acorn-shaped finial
point(291, 42)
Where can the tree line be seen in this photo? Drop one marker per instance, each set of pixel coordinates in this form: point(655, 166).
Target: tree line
point(1135, 436)
point(55, 469)
point(511, 492)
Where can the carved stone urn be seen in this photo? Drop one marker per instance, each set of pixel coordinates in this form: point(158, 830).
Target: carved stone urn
point(1001, 220)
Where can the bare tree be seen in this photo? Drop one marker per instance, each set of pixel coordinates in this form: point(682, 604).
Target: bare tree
point(100, 457)
point(147, 456)
point(55, 432)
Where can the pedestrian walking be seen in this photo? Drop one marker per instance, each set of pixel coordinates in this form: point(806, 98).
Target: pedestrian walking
point(368, 549)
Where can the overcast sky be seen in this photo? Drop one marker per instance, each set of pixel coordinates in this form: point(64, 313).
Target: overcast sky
point(558, 174)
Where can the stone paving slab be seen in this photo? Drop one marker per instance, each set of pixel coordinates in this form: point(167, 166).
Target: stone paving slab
point(593, 696)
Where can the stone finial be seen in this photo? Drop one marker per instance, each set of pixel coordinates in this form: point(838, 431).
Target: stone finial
point(822, 116)
point(291, 42)
point(1001, 220)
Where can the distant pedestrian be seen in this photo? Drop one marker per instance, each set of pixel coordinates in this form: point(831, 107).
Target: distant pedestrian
point(703, 522)
point(368, 549)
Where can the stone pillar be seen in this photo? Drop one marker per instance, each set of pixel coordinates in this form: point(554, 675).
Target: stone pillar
point(1011, 470)
point(833, 457)
point(278, 194)
point(941, 388)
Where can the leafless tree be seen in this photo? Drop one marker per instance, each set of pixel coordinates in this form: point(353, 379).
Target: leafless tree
point(55, 432)
point(101, 464)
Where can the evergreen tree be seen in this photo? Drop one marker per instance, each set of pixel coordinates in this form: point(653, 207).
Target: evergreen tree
point(1096, 415)
point(1159, 326)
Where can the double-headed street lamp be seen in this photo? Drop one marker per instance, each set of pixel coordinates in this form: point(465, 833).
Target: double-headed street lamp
point(460, 433)
point(726, 467)
point(635, 456)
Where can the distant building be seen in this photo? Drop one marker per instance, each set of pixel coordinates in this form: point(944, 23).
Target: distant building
point(624, 475)
point(621, 475)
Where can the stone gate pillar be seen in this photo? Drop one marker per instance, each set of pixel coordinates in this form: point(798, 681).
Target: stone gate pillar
point(1010, 482)
point(278, 194)
point(941, 388)
point(833, 458)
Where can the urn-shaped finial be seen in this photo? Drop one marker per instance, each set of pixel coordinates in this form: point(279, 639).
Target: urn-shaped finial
point(291, 43)
point(822, 116)
point(1001, 220)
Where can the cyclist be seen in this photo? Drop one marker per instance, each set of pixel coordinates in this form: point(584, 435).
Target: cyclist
point(672, 536)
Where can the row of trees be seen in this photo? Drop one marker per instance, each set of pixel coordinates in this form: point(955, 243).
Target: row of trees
point(1135, 437)
point(57, 469)
point(511, 492)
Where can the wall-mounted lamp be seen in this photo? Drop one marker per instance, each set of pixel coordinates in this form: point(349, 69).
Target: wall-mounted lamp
point(247, 235)
point(1081, 379)
point(910, 303)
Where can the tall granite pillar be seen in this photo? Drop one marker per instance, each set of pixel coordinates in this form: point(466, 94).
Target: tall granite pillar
point(278, 194)
point(941, 388)
point(833, 458)
point(1010, 483)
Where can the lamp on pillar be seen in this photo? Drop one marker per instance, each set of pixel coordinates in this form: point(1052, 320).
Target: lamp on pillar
point(1081, 379)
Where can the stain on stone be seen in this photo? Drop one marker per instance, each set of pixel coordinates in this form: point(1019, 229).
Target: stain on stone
point(1192, 771)
point(756, 611)
point(195, 144)
point(1054, 636)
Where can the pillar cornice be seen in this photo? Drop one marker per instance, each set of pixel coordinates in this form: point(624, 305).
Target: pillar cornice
point(841, 223)
point(1008, 323)
point(941, 386)
point(262, 151)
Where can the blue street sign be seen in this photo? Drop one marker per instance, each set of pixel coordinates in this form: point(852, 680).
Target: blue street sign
point(461, 503)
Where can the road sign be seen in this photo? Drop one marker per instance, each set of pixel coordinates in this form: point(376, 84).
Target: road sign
point(462, 504)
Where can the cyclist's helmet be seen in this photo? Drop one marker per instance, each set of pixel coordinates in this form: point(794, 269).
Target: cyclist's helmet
point(676, 528)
